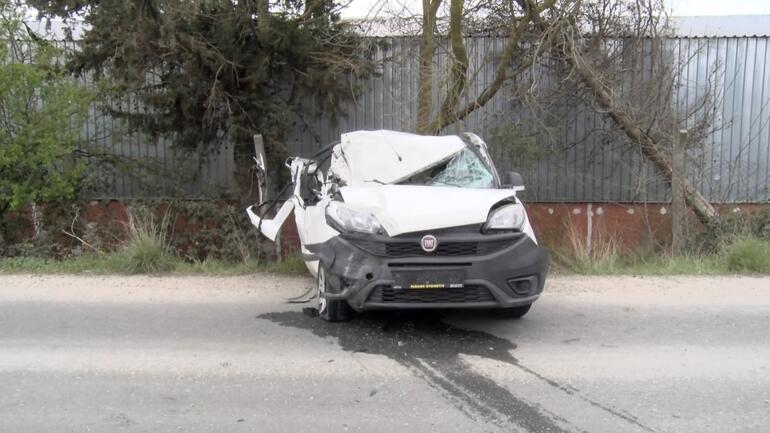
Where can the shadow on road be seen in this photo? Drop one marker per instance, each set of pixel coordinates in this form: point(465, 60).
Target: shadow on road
point(430, 348)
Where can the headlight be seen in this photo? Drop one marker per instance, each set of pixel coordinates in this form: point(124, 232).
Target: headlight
point(352, 221)
point(508, 217)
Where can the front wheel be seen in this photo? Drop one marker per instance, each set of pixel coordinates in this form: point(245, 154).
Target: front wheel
point(332, 311)
point(515, 312)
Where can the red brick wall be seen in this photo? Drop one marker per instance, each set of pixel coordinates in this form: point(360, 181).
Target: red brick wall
point(631, 226)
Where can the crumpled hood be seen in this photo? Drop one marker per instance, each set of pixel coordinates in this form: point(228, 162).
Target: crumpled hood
point(368, 157)
point(408, 208)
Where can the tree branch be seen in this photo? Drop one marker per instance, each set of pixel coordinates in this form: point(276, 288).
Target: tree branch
point(649, 142)
point(501, 73)
point(427, 50)
point(459, 65)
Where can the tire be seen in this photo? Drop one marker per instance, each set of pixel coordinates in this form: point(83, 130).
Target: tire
point(515, 312)
point(331, 311)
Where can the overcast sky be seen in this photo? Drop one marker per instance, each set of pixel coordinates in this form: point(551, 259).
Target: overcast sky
point(360, 8)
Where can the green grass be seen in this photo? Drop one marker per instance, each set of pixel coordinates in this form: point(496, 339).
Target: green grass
point(745, 259)
point(88, 263)
point(117, 263)
point(291, 265)
point(742, 257)
point(748, 255)
point(649, 265)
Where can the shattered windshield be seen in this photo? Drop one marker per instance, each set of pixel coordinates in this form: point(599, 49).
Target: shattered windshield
point(464, 169)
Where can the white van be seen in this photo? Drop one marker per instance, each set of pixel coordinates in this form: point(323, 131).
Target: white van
point(404, 221)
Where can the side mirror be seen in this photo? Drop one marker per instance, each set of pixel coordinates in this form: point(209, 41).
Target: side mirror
point(260, 166)
point(513, 180)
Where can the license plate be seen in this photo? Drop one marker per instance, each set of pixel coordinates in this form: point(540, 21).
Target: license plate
point(429, 279)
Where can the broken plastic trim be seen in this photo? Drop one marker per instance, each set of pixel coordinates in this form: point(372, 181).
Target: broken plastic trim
point(344, 294)
point(271, 227)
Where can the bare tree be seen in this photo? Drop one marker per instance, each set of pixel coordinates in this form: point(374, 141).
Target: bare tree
point(427, 51)
point(613, 59)
point(581, 41)
point(520, 17)
point(459, 67)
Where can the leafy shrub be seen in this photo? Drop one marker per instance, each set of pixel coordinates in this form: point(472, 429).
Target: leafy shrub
point(760, 224)
point(42, 110)
point(721, 232)
point(752, 255)
point(724, 230)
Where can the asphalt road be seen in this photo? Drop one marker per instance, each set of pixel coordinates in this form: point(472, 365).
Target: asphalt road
point(175, 354)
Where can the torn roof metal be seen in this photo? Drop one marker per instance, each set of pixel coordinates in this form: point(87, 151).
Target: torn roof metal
point(387, 157)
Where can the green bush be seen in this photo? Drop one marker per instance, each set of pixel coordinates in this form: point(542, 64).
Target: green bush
point(748, 255)
point(724, 230)
point(720, 233)
point(760, 224)
point(42, 109)
point(215, 230)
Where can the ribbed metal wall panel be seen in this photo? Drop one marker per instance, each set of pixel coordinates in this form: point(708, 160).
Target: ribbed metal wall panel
point(587, 158)
point(148, 167)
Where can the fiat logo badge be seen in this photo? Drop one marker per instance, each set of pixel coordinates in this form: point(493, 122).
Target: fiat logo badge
point(429, 243)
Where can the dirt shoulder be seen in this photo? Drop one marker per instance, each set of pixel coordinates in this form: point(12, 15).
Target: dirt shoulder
point(173, 288)
point(675, 290)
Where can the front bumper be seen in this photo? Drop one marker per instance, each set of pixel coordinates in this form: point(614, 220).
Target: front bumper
point(501, 270)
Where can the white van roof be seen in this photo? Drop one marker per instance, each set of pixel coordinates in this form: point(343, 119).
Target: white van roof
point(389, 156)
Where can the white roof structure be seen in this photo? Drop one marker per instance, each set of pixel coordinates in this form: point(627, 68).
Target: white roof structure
point(684, 26)
point(389, 156)
point(721, 26)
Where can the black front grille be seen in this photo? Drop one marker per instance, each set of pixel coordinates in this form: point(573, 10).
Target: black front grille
point(402, 249)
point(459, 295)
point(412, 248)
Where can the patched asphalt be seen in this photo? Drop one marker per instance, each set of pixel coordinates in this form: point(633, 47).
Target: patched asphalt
point(161, 354)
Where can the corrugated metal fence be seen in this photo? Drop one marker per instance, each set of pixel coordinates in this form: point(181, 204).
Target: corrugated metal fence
point(583, 158)
point(126, 163)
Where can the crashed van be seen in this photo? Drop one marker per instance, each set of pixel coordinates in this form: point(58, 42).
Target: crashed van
point(391, 220)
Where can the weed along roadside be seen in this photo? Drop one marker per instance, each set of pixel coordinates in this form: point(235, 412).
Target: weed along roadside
point(146, 245)
point(713, 252)
point(145, 237)
point(732, 244)
point(154, 239)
